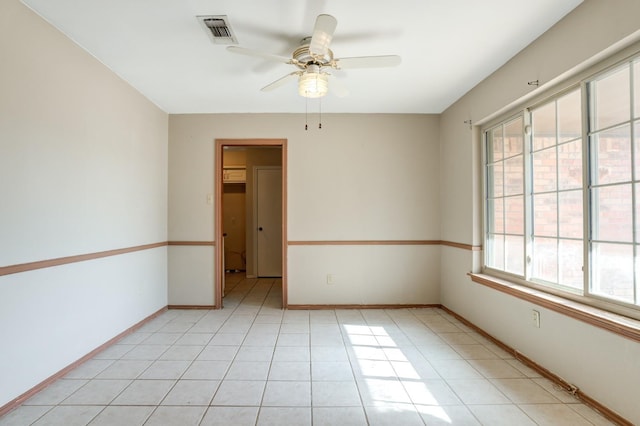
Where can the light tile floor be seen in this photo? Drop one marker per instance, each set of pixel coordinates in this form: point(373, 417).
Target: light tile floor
point(253, 363)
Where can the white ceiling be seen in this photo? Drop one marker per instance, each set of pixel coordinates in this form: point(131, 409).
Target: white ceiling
point(160, 48)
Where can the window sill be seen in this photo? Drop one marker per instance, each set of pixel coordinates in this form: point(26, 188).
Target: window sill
point(618, 324)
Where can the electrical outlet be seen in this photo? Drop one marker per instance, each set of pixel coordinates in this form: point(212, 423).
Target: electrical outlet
point(536, 319)
point(330, 279)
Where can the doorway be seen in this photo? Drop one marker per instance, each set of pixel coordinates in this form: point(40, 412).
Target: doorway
point(250, 174)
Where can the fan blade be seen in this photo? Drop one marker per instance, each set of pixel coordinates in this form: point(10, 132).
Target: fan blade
point(281, 81)
point(251, 52)
point(322, 35)
point(337, 88)
point(368, 62)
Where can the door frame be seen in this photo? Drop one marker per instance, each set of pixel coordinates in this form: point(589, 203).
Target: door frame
point(218, 171)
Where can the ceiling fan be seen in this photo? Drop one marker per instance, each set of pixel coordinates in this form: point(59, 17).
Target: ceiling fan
point(315, 60)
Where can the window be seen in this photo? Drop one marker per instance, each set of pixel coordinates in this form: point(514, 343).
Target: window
point(505, 171)
point(613, 126)
point(562, 190)
point(556, 200)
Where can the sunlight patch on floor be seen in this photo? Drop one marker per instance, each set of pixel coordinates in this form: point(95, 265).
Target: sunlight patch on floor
point(392, 382)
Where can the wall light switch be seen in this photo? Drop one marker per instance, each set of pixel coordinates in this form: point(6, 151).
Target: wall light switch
point(209, 198)
point(330, 279)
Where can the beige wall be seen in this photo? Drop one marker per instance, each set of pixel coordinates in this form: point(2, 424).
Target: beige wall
point(362, 177)
point(83, 169)
point(603, 365)
point(234, 225)
point(234, 221)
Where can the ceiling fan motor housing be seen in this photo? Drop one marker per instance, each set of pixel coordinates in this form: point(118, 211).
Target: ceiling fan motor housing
point(303, 58)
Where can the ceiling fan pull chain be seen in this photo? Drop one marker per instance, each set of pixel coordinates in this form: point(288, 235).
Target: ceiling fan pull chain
point(320, 119)
point(306, 113)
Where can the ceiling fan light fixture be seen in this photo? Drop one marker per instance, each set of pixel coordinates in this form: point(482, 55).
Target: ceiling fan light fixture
point(313, 85)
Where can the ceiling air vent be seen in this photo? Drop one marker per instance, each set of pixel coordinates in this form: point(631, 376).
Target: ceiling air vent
point(218, 28)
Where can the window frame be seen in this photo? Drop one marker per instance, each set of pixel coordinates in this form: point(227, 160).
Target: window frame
point(504, 233)
point(634, 181)
point(529, 111)
point(580, 81)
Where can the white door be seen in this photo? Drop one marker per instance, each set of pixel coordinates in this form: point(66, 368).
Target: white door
point(268, 192)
